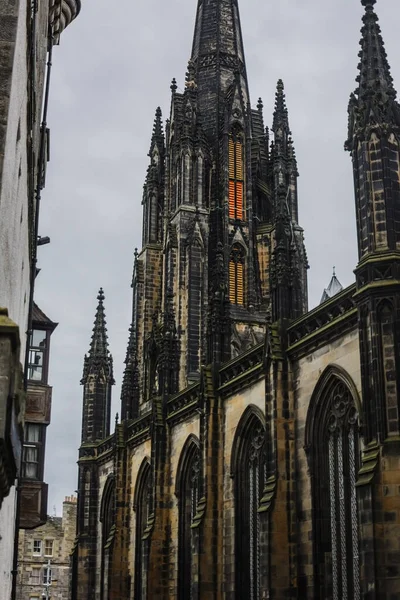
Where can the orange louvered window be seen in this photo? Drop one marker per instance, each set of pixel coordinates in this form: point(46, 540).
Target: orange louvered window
point(236, 182)
point(236, 275)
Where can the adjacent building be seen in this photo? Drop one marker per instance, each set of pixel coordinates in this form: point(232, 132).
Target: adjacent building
point(44, 556)
point(258, 453)
point(33, 490)
point(28, 32)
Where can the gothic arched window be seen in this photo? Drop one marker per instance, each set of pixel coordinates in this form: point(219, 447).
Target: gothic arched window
point(249, 471)
point(236, 275)
point(142, 507)
point(188, 495)
point(236, 178)
point(107, 519)
point(332, 439)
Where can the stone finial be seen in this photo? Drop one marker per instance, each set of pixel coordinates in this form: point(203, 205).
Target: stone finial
point(174, 86)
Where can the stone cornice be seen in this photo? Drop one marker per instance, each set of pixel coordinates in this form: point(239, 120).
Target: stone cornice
point(325, 323)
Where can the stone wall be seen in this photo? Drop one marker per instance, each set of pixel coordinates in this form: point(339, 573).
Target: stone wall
point(60, 533)
point(343, 352)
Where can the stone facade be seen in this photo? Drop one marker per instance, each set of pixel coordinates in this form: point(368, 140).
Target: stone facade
point(258, 452)
point(50, 544)
point(24, 32)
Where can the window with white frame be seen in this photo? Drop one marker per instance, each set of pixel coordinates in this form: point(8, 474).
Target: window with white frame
point(46, 575)
point(37, 547)
point(48, 547)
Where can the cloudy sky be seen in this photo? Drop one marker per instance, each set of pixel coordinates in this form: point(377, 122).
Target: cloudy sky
point(113, 68)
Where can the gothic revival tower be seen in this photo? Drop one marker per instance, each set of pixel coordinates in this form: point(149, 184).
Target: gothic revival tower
point(374, 127)
point(374, 143)
point(97, 381)
point(221, 240)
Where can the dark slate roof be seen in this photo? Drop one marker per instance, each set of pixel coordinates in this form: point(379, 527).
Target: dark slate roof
point(41, 319)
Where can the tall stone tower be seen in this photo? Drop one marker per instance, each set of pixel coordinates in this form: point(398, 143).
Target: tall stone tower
point(97, 381)
point(374, 143)
point(221, 241)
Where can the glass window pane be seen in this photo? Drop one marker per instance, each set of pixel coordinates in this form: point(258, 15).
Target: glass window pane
point(38, 338)
point(32, 432)
point(36, 358)
point(48, 547)
point(37, 546)
point(35, 373)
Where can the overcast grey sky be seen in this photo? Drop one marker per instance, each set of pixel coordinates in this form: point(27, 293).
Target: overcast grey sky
point(112, 70)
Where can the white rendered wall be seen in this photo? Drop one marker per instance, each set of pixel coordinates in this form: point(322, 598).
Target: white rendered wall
point(14, 238)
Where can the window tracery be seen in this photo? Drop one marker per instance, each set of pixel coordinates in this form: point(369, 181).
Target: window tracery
point(142, 506)
point(188, 492)
point(250, 477)
point(335, 457)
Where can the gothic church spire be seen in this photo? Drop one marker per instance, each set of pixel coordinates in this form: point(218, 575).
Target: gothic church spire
point(373, 104)
point(97, 380)
point(99, 344)
point(218, 59)
point(218, 32)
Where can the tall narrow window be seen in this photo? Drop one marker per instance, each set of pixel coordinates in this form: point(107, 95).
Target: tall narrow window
point(195, 276)
point(236, 179)
point(249, 472)
point(236, 275)
point(333, 441)
point(142, 504)
point(188, 491)
point(107, 518)
point(388, 369)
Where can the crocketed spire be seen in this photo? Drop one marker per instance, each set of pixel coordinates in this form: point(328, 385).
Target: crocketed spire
point(373, 104)
point(99, 343)
point(281, 118)
point(157, 138)
point(375, 77)
point(99, 355)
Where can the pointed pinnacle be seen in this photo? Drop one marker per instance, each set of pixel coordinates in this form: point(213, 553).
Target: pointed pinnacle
point(157, 138)
point(281, 118)
point(174, 86)
point(374, 77)
point(99, 343)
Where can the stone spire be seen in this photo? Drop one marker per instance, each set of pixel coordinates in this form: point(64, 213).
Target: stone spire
point(157, 138)
point(289, 260)
point(99, 344)
point(218, 59)
point(281, 116)
point(97, 380)
point(373, 104)
point(218, 33)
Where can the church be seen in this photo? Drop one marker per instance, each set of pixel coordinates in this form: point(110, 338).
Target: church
point(258, 451)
